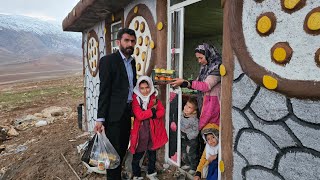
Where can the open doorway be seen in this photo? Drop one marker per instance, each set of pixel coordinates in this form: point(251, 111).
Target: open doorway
point(189, 24)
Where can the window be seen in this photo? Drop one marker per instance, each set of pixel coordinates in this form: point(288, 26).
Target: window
point(115, 27)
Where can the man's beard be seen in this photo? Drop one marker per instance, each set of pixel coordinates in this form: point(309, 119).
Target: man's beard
point(127, 51)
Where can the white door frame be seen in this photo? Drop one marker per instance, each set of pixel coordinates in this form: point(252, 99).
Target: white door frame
point(171, 9)
point(179, 74)
point(180, 5)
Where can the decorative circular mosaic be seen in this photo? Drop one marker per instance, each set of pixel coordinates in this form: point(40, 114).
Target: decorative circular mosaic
point(291, 6)
point(143, 49)
point(281, 53)
point(279, 39)
point(266, 23)
point(312, 22)
point(93, 52)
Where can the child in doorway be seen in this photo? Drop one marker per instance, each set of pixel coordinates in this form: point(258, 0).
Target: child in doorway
point(189, 132)
point(208, 165)
point(148, 132)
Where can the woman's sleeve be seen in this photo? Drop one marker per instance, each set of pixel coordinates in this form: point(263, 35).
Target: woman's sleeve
point(140, 114)
point(202, 163)
point(207, 84)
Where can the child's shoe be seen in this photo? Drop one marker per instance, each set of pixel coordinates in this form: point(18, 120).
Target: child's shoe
point(192, 172)
point(137, 178)
point(152, 176)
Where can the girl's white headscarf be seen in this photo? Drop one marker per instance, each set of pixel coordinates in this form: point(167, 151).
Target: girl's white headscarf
point(145, 99)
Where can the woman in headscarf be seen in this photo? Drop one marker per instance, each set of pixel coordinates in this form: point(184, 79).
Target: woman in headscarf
point(207, 84)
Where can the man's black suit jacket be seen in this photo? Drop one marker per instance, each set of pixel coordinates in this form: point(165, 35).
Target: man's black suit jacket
point(114, 87)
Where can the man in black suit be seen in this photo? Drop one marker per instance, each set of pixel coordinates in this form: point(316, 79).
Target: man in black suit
point(117, 79)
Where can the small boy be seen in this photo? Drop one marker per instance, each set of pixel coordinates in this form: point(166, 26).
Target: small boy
point(189, 125)
point(208, 165)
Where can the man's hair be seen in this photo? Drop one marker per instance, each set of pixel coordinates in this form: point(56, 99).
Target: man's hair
point(125, 31)
point(193, 101)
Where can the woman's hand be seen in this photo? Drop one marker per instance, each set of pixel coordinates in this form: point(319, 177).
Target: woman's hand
point(177, 82)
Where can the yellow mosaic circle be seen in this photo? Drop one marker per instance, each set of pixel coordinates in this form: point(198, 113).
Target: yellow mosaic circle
point(152, 45)
point(279, 54)
point(221, 166)
point(137, 51)
point(135, 10)
point(269, 82)
point(138, 67)
point(159, 26)
point(264, 24)
point(143, 56)
point(142, 27)
point(140, 40)
point(290, 4)
point(146, 40)
point(136, 25)
point(223, 71)
point(314, 21)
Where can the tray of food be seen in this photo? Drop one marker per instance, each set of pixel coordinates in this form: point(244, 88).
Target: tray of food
point(162, 76)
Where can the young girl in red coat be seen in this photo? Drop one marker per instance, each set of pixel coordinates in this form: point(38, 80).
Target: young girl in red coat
point(148, 133)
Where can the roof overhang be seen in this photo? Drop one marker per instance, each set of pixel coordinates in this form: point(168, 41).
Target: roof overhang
point(87, 13)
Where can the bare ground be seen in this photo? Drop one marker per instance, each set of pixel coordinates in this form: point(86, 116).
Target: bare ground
point(46, 145)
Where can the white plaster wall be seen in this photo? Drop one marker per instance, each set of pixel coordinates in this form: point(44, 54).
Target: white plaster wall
point(289, 28)
point(92, 84)
point(151, 4)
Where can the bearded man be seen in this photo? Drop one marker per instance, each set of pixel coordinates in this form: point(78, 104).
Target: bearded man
point(117, 72)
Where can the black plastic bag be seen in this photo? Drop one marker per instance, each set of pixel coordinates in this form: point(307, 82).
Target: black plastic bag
point(87, 152)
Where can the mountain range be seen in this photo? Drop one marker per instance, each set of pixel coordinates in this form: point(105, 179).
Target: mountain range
point(27, 42)
point(24, 38)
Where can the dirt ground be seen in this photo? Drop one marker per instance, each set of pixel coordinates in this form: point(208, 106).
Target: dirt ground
point(38, 152)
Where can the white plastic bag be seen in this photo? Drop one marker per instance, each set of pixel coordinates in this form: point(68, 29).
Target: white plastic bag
point(103, 155)
point(205, 171)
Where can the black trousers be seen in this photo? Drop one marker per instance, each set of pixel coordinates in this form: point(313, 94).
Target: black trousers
point(136, 169)
point(190, 156)
point(118, 133)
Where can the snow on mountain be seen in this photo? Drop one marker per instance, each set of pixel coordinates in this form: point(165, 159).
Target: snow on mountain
point(29, 24)
point(29, 38)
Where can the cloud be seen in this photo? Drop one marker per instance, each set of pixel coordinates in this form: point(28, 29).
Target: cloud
point(44, 9)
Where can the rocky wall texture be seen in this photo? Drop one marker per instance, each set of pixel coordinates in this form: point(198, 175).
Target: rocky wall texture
point(274, 137)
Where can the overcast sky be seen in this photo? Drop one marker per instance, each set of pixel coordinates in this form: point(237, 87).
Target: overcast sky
point(55, 10)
